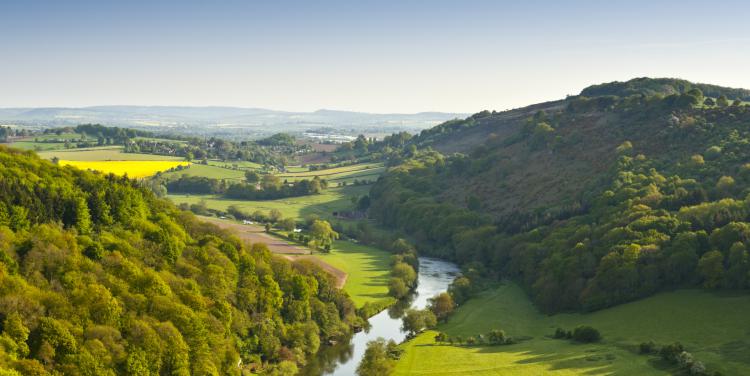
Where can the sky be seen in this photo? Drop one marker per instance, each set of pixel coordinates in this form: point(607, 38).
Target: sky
point(383, 56)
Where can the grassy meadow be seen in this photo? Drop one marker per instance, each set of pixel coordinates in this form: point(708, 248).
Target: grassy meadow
point(44, 142)
point(322, 205)
point(104, 153)
point(368, 270)
point(38, 146)
point(711, 326)
point(208, 171)
point(235, 171)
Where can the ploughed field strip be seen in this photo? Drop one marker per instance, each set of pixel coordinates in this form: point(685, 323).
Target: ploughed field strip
point(256, 234)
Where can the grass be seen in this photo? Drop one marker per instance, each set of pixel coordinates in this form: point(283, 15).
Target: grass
point(368, 271)
point(134, 169)
point(225, 170)
point(104, 153)
point(322, 205)
point(331, 172)
point(38, 146)
point(239, 164)
point(711, 326)
point(208, 171)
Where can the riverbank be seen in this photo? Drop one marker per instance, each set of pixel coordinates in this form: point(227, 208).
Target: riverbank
point(705, 323)
point(434, 277)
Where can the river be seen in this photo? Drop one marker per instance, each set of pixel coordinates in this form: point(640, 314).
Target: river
point(342, 360)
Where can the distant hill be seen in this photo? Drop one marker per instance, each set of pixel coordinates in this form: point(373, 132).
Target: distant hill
point(253, 122)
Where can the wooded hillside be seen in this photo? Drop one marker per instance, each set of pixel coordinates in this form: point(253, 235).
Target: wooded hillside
point(99, 277)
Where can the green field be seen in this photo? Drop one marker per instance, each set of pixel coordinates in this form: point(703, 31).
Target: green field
point(236, 171)
point(331, 172)
point(713, 327)
point(208, 171)
point(38, 146)
point(322, 205)
point(368, 271)
point(104, 153)
point(31, 143)
point(240, 164)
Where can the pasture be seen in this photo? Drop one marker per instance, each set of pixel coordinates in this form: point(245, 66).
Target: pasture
point(37, 146)
point(208, 171)
point(368, 270)
point(50, 141)
point(323, 204)
point(104, 153)
point(330, 172)
point(711, 326)
point(134, 169)
point(235, 171)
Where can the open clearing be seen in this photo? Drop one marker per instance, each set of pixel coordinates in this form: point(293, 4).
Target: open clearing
point(360, 270)
point(368, 269)
point(104, 153)
point(711, 326)
point(323, 205)
point(235, 171)
point(134, 169)
point(256, 234)
point(208, 171)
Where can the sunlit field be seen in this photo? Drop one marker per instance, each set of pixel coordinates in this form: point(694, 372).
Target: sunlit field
point(134, 169)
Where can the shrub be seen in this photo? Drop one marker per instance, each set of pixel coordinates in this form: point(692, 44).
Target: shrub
point(586, 334)
point(560, 333)
point(497, 337)
point(671, 351)
point(441, 337)
point(713, 152)
point(625, 147)
point(647, 347)
point(397, 288)
point(697, 160)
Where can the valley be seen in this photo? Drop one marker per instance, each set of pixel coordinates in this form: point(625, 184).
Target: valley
point(562, 217)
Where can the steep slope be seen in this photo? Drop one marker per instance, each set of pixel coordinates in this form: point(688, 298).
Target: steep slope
point(589, 203)
point(99, 277)
point(513, 167)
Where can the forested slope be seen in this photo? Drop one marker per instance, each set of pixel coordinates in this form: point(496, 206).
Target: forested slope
point(99, 277)
point(588, 202)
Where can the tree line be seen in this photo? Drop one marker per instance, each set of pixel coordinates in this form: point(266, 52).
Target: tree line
point(267, 187)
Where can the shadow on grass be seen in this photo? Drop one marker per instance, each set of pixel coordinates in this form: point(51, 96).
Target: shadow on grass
point(582, 358)
point(342, 203)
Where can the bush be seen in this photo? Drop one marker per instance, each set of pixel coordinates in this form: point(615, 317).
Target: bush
point(712, 153)
point(647, 347)
point(497, 337)
point(671, 351)
point(397, 288)
point(560, 333)
point(586, 334)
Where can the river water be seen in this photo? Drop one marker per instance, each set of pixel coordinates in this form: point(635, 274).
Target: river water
point(342, 360)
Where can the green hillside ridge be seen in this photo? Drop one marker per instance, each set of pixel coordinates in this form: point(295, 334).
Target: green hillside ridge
point(99, 277)
point(663, 86)
point(590, 203)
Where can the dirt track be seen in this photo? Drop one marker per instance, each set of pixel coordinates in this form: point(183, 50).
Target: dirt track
point(257, 234)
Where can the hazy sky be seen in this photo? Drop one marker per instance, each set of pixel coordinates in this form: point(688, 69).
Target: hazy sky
point(377, 56)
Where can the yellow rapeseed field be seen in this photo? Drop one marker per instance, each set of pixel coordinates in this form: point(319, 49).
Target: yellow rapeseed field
point(134, 169)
